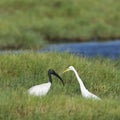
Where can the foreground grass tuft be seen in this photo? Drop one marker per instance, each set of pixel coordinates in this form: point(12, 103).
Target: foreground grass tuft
point(18, 72)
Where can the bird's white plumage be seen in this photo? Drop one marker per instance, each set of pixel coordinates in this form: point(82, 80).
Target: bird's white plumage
point(85, 93)
point(40, 90)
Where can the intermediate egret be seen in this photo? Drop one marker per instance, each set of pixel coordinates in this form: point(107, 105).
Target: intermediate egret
point(42, 89)
point(84, 91)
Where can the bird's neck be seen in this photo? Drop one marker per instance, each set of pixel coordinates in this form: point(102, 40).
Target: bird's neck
point(50, 78)
point(82, 87)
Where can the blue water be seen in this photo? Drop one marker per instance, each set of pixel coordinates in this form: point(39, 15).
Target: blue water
point(109, 49)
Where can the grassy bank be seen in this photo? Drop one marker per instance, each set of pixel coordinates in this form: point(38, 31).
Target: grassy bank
point(18, 72)
point(30, 24)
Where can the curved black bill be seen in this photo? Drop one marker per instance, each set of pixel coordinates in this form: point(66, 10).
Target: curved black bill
point(59, 77)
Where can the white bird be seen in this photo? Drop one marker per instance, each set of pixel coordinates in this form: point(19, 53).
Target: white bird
point(84, 91)
point(42, 89)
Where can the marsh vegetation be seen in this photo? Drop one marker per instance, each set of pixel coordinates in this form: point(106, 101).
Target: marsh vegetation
point(18, 72)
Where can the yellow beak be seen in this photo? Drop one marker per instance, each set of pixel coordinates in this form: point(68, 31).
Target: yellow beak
point(66, 70)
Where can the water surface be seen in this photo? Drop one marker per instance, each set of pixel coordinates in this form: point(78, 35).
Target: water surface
point(109, 49)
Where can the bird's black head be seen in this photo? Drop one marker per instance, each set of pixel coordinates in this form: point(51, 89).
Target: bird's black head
point(52, 72)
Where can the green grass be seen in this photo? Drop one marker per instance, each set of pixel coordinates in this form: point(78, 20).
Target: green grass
point(30, 24)
point(18, 72)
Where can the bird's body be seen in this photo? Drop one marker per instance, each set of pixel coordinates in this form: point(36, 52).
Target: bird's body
point(85, 93)
point(43, 89)
point(40, 90)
